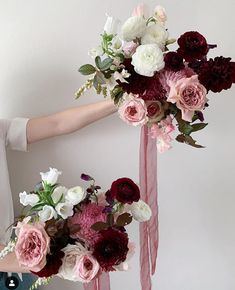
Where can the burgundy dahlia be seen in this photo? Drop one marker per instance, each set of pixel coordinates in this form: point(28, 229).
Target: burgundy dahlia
point(124, 190)
point(111, 249)
point(148, 88)
point(173, 61)
point(217, 74)
point(192, 46)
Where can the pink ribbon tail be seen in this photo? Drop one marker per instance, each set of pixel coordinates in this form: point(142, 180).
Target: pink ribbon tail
point(100, 283)
point(148, 189)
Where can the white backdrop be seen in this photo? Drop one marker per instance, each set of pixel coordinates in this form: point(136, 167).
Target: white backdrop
point(42, 43)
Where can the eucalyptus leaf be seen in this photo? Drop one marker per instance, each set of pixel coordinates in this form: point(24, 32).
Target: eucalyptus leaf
point(99, 226)
point(124, 220)
point(87, 69)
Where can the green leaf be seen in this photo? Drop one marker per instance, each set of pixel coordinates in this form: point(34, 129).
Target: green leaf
point(99, 226)
point(87, 69)
point(185, 128)
point(98, 62)
point(198, 126)
point(124, 220)
point(188, 140)
point(106, 63)
point(110, 219)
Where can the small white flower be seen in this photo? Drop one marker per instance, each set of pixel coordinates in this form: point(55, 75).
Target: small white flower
point(116, 44)
point(64, 209)
point(140, 211)
point(133, 28)
point(156, 34)
point(111, 25)
point(94, 52)
point(148, 59)
point(47, 213)
point(59, 194)
point(51, 176)
point(75, 195)
point(28, 199)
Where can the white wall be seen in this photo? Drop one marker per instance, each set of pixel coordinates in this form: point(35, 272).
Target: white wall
point(42, 43)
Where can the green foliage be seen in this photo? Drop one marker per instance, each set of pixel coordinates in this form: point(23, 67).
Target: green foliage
point(87, 69)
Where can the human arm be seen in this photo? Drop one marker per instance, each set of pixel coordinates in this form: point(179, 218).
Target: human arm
point(68, 121)
point(10, 264)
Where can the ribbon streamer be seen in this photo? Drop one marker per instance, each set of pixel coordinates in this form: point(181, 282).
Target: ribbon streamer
point(148, 189)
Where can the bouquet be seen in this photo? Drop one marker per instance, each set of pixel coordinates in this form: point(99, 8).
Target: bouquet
point(153, 85)
point(76, 234)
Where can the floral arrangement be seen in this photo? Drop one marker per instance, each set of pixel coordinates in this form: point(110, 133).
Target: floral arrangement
point(152, 85)
point(74, 233)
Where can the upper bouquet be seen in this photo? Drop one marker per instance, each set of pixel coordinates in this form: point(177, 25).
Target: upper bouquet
point(76, 234)
point(152, 85)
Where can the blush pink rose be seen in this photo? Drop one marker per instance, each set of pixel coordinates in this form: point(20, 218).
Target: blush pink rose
point(129, 48)
point(133, 111)
point(32, 246)
point(86, 268)
point(189, 96)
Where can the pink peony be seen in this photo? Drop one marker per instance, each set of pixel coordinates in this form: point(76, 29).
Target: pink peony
point(133, 110)
point(86, 268)
point(91, 214)
point(189, 96)
point(32, 246)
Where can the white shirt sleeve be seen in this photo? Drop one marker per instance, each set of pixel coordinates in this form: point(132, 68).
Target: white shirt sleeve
point(16, 137)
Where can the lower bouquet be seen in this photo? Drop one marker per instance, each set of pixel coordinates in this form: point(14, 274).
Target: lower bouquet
point(76, 234)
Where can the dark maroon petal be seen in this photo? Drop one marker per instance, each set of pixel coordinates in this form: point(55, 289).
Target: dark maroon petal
point(86, 177)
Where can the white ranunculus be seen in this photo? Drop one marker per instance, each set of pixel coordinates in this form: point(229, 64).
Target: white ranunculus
point(28, 199)
point(156, 34)
point(58, 194)
point(75, 195)
point(50, 177)
point(140, 211)
point(64, 209)
point(148, 59)
point(133, 28)
point(111, 25)
point(47, 213)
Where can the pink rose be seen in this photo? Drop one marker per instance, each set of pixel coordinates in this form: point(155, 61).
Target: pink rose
point(189, 96)
point(166, 125)
point(32, 246)
point(86, 268)
point(129, 48)
point(133, 111)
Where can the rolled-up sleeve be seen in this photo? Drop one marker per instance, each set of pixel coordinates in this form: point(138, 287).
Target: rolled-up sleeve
point(16, 134)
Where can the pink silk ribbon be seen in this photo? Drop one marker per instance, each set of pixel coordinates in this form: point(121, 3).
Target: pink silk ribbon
point(100, 283)
point(148, 189)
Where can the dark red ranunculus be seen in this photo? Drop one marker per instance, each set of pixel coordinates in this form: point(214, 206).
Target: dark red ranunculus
point(125, 190)
point(53, 265)
point(173, 61)
point(148, 88)
point(111, 249)
point(192, 46)
point(217, 74)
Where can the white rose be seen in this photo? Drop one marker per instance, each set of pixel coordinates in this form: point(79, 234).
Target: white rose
point(28, 199)
point(160, 14)
point(133, 28)
point(47, 213)
point(140, 211)
point(64, 209)
point(51, 176)
point(111, 25)
point(148, 59)
point(58, 194)
point(75, 195)
point(66, 271)
point(157, 34)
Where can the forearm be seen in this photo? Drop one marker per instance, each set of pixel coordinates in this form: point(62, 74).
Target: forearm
point(68, 121)
point(10, 264)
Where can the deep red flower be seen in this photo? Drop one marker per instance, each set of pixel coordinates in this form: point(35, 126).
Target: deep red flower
point(124, 190)
point(148, 88)
point(111, 249)
point(217, 74)
point(192, 46)
point(173, 61)
point(53, 265)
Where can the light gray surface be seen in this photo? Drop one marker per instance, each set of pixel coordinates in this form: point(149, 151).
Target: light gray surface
point(42, 45)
